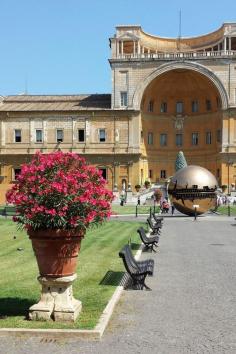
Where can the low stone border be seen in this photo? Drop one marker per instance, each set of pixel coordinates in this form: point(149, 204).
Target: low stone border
point(94, 334)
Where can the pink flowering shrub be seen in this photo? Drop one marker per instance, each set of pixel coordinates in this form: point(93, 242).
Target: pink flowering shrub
point(59, 191)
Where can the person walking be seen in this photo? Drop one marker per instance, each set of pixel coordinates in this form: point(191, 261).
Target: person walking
point(172, 209)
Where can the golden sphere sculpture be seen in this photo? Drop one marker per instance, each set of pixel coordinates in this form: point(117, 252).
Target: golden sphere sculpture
point(193, 188)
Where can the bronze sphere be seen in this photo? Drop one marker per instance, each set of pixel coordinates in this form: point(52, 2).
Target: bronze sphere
point(193, 188)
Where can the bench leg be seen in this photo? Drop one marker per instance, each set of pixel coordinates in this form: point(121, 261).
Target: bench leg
point(153, 248)
point(146, 287)
point(148, 247)
point(139, 283)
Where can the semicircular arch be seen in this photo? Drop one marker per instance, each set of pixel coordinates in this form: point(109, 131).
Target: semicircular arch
point(138, 94)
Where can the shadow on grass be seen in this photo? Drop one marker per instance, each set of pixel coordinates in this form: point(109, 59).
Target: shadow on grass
point(112, 278)
point(135, 246)
point(14, 306)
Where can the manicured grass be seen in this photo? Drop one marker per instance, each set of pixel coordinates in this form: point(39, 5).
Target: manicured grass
point(223, 209)
point(19, 288)
point(131, 209)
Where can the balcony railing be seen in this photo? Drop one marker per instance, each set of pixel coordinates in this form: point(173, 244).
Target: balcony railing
point(178, 55)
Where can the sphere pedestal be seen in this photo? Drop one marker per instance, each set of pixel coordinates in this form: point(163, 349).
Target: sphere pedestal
point(57, 301)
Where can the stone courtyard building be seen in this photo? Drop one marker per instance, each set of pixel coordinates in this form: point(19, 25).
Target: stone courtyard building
point(167, 95)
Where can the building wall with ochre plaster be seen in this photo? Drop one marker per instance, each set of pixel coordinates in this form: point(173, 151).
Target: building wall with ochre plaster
point(147, 69)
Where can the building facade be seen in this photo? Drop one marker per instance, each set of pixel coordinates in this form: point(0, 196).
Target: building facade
point(167, 95)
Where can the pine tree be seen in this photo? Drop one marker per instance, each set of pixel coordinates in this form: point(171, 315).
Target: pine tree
point(180, 161)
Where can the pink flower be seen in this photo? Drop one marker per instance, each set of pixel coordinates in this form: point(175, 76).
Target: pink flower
point(59, 190)
point(50, 211)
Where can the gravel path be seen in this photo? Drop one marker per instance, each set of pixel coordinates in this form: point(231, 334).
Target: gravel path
point(192, 305)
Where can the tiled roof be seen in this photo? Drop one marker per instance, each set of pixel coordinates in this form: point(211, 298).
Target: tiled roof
point(55, 102)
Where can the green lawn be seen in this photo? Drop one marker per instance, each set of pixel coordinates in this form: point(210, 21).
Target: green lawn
point(19, 288)
point(223, 209)
point(131, 209)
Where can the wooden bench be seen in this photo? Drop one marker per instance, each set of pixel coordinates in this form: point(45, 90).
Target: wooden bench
point(156, 228)
point(147, 264)
point(149, 242)
point(158, 218)
point(137, 274)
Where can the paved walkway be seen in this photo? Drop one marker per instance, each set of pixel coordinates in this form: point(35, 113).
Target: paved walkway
point(191, 309)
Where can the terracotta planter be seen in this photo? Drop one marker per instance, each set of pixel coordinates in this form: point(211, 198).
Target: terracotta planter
point(56, 251)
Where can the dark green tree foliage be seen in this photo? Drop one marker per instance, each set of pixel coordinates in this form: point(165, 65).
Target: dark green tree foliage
point(180, 161)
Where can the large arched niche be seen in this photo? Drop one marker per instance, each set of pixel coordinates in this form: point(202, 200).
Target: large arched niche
point(181, 84)
point(194, 67)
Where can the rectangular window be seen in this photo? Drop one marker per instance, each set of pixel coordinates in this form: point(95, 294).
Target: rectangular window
point(179, 107)
point(163, 107)
point(150, 106)
point(123, 99)
point(141, 136)
point(208, 138)
point(208, 105)
point(81, 135)
point(163, 173)
point(235, 95)
point(179, 139)
point(218, 102)
point(16, 172)
point(150, 138)
point(39, 135)
point(102, 135)
point(163, 139)
point(150, 174)
point(104, 172)
point(124, 78)
point(218, 173)
point(195, 138)
point(194, 106)
point(218, 136)
point(17, 135)
point(60, 135)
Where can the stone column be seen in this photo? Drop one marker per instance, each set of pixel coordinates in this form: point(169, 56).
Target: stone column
point(73, 132)
point(57, 301)
point(139, 48)
point(130, 164)
point(45, 135)
point(3, 135)
point(225, 44)
point(122, 48)
point(117, 48)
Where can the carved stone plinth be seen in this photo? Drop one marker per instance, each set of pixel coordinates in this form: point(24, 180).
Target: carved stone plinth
point(57, 301)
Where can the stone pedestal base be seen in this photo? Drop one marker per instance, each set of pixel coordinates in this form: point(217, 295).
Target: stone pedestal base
point(57, 301)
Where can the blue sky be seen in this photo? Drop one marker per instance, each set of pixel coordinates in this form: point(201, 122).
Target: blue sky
point(62, 46)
